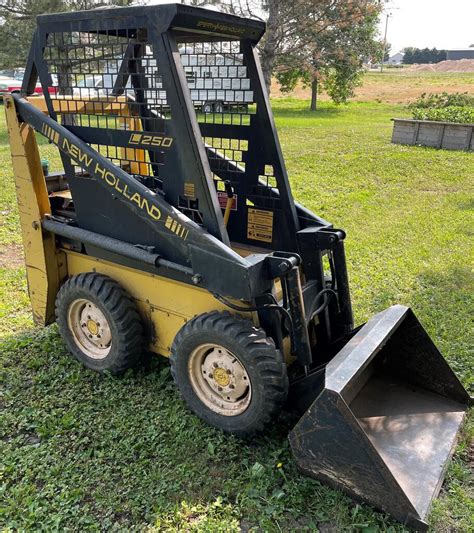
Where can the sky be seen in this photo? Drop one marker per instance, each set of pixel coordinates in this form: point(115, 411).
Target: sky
point(444, 24)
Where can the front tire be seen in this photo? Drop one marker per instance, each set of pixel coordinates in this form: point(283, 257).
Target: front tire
point(229, 372)
point(99, 323)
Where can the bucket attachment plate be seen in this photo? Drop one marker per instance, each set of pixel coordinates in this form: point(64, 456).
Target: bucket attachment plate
point(384, 425)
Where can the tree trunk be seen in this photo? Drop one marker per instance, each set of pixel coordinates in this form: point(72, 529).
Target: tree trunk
point(269, 48)
point(314, 94)
point(267, 69)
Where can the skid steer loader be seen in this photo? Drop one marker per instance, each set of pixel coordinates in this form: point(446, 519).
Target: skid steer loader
point(170, 227)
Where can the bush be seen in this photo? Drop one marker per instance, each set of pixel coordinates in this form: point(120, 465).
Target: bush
point(442, 100)
point(460, 114)
point(444, 107)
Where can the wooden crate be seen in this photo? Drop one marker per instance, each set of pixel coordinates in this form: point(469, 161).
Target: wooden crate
point(447, 135)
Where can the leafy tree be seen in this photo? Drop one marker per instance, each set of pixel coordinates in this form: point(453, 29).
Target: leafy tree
point(422, 56)
point(327, 39)
point(329, 46)
point(18, 21)
point(408, 56)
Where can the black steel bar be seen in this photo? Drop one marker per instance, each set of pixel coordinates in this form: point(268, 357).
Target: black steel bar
point(113, 245)
point(302, 346)
point(346, 318)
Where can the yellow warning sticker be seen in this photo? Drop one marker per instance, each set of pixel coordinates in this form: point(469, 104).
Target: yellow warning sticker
point(260, 225)
point(189, 189)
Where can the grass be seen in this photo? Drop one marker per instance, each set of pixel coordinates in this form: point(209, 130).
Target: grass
point(87, 452)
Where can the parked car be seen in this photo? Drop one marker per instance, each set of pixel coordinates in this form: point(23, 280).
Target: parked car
point(11, 80)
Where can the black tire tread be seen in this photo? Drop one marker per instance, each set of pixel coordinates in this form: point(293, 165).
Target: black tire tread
point(122, 311)
point(271, 367)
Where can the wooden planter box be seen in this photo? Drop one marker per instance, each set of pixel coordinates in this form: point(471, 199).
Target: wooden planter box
point(448, 135)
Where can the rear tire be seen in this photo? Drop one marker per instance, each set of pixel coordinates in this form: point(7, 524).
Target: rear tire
point(99, 323)
point(229, 372)
point(219, 107)
point(208, 107)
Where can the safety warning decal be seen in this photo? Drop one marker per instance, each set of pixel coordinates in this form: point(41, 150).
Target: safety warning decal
point(260, 225)
point(222, 197)
point(189, 189)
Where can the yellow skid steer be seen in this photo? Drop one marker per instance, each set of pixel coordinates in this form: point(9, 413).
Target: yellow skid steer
point(170, 226)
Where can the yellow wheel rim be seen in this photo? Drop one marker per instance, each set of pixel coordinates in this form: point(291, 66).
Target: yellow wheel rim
point(89, 328)
point(219, 379)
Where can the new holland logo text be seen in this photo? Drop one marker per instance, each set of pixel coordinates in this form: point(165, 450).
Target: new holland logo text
point(219, 27)
point(151, 140)
point(111, 179)
point(88, 163)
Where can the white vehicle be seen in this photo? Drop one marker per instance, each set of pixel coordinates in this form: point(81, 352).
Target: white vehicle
point(215, 80)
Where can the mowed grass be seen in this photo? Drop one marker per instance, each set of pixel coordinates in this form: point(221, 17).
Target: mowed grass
point(82, 451)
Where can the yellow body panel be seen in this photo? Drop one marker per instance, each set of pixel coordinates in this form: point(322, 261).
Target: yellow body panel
point(72, 104)
point(165, 304)
point(43, 264)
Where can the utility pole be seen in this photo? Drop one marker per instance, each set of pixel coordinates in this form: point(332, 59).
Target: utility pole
point(384, 41)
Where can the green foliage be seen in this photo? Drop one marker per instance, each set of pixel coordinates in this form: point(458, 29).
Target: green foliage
point(440, 100)
point(18, 22)
point(84, 452)
point(425, 55)
point(453, 113)
point(454, 107)
point(289, 78)
point(341, 81)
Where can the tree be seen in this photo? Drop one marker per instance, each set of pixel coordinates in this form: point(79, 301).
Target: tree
point(408, 56)
point(337, 32)
point(386, 56)
point(18, 21)
point(423, 56)
point(329, 45)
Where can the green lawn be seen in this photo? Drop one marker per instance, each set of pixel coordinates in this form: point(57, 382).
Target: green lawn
point(83, 451)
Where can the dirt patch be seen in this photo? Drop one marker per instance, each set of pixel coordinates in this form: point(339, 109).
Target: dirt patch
point(11, 256)
point(394, 87)
point(459, 65)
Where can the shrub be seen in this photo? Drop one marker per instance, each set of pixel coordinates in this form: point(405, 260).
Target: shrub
point(461, 114)
point(444, 107)
point(442, 100)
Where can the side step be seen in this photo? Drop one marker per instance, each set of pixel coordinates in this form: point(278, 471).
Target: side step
point(384, 425)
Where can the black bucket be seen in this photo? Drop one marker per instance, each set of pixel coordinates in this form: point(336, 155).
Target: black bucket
point(384, 423)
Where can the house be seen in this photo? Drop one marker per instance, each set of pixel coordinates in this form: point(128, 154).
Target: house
point(396, 59)
point(460, 53)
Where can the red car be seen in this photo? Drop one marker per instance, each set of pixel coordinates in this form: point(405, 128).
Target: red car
point(11, 80)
